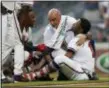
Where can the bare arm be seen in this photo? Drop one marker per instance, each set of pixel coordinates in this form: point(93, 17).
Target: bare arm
point(69, 53)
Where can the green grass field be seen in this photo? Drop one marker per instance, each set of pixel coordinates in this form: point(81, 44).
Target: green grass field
point(102, 82)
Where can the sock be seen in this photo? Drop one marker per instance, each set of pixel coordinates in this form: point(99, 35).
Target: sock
point(51, 67)
point(38, 74)
point(30, 76)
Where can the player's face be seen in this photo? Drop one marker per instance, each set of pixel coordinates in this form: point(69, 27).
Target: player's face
point(54, 20)
point(77, 27)
point(31, 18)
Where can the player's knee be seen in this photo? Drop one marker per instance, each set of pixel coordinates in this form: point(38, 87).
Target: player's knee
point(60, 59)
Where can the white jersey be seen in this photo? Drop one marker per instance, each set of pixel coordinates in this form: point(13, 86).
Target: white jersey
point(83, 54)
point(12, 36)
point(51, 32)
point(4, 27)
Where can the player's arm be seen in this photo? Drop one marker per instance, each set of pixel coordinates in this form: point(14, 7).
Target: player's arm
point(83, 38)
point(69, 53)
point(72, 47)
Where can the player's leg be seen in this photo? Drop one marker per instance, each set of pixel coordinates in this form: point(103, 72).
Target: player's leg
point(71, 69)
point(48, 58)
point(58, 52)
point(19, 63)
point(27, 61)
point(6, 50)
point(29, 64)
point(45, 70)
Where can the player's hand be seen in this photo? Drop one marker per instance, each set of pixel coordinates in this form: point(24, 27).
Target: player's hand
point(82, 39)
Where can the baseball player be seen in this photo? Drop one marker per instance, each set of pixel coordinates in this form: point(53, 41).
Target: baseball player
point(18, 31)
point(4, 16)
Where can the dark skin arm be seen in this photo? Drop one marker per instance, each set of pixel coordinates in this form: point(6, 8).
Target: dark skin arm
point(69, 54)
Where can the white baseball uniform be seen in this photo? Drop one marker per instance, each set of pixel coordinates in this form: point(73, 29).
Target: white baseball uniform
point(3, 34)
point(54, 37)
point(82, 59)
point(12, 41)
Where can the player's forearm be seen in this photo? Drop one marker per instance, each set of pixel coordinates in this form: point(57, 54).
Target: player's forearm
point(69, 53)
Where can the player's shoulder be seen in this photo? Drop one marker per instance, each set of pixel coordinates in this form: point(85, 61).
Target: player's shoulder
point(63, 16)
point(74, 40)
point(47, 29)
point(87, 42)
point(69, 17)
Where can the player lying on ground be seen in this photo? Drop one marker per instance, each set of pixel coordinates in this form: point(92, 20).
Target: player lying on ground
point(77, 63)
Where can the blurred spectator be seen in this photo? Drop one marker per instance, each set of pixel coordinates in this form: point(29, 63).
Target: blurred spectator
point(103, 8)
point(106, 20)
point(104, 28)
point(91, 10)
point(40, 9)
